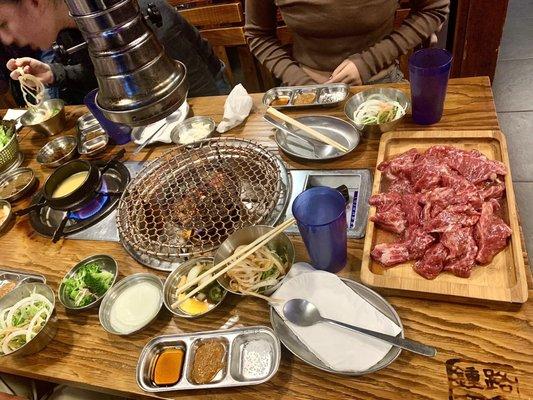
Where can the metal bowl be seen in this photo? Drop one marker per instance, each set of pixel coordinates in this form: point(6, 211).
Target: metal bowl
point(170, 287)
point(10, 155)
point(7, 221)
point(107, 263)
point(49, 126)
point(105, 307)
point(181, 128)
point(11, 177)
point(281, 244)
point(57, 151)
point(357, 99)
point(47, 333)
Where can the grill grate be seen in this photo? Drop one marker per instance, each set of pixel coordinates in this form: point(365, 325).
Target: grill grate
point(189, 200)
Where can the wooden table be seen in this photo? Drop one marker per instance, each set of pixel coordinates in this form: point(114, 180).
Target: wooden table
point(486, 345)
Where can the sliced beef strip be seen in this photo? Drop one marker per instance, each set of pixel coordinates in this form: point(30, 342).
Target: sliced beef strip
point(431, 265)
point(449, 218)
point(401, 186)
point(462, 251)
point(390, 254)
point(417, 241)
point(490, 233)
point(392, 220)
point(384, 201)
point(399, 166)
point(474, 166)
point(410, 205)
point(492, 191)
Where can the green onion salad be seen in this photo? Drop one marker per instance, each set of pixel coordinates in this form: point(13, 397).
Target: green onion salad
point(378, 109)
point(21, 322)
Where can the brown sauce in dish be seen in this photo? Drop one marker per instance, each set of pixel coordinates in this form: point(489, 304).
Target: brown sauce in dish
point(167, 370)
point(305, 98)
point(6, 287)
point(209, 359)
point(280, 101)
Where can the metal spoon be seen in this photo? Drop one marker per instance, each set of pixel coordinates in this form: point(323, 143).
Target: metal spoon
point(171, 118)
point(303, 313)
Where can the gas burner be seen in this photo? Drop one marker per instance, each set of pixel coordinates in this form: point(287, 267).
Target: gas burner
point(93, 207)
point(47, 220)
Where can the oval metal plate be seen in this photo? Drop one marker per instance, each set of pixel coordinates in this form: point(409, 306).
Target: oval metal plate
point(311, 149)
point(296, 347)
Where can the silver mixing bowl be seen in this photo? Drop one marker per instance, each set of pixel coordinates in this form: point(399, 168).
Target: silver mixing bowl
point(57, 151)
point(47, 333)
point(372, 129)
point(281, 244)
point(49, 126)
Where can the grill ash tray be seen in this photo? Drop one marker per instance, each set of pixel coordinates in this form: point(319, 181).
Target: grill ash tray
point(359, 183)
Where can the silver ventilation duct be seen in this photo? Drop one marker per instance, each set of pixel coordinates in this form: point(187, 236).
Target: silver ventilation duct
point(138, 83)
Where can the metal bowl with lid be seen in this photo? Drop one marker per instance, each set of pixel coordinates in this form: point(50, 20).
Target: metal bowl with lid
point(106, 263)
point(17, 183)
point(57, 151)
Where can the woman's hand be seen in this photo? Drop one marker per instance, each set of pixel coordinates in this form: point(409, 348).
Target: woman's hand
point(346, 72)
point(40, 70)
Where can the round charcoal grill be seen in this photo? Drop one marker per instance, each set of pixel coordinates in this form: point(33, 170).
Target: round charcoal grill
point(188, 201)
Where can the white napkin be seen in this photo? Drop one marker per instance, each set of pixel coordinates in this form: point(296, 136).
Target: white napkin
point(140, 135)
point(339, 348)
point(12, 114)
point(237, 107)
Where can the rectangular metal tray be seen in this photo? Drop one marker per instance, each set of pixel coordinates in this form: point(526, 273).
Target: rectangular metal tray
point(321, 92)
point(232, 375)
point(19, 277)
point(359, 183)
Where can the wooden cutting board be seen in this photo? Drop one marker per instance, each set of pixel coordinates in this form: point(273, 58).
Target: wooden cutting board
point(504, 279)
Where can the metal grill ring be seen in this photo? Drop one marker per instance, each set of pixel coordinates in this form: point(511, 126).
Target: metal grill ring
point(189, 200)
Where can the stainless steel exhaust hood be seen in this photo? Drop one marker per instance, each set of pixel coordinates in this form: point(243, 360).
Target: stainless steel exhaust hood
point(138, 82)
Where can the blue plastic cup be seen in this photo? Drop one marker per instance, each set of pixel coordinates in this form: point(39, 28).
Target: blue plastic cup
point(118, 133)
point(320, 213)
point(429, 71)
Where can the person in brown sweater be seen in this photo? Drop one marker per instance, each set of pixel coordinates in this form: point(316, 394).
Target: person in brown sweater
point(350, 41)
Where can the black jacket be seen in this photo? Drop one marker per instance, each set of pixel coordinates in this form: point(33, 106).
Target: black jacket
point(181, 40)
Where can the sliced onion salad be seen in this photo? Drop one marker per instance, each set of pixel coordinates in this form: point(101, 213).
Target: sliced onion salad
point(378, 109)
point(21, 322)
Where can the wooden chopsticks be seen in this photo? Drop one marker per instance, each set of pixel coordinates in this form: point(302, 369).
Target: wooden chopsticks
point(231, 261)
point(314, 133)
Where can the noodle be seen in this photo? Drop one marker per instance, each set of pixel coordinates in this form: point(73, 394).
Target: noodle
point(259, 270)
point(31, 87)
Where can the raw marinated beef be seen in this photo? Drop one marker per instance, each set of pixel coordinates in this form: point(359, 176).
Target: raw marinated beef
point(462, 251)
point(432, 263)
point(491, 234)
point(401, 186)
point(417, 241)
point(452, 216)
point(474, 166)
point(494, 191)
point(399, 166)
point(390, 254)
point(392, 220)
point(443, 203)
point(384, 201)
